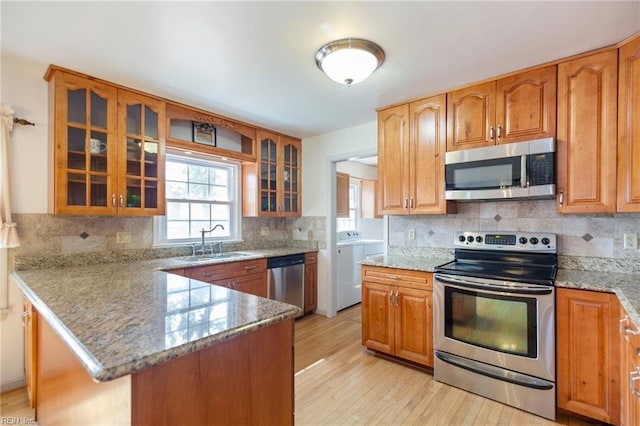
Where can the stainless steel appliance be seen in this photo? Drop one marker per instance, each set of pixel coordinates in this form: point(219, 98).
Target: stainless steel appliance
point(285, 279)
point(515, 170)
point(494, 318)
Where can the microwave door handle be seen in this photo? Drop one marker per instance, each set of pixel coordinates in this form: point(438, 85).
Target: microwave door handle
point(524, 181)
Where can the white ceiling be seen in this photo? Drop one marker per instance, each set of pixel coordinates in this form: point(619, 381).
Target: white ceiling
point(254, 61)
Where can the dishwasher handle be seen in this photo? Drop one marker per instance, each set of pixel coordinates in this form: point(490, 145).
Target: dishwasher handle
point(283, 261)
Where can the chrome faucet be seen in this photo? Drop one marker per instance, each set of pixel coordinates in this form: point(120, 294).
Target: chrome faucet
point(203, 244)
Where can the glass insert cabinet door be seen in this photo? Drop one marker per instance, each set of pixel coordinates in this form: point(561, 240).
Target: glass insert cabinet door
point(291, 176)
point(85, 117)
point(278, 175)
point(141, 155)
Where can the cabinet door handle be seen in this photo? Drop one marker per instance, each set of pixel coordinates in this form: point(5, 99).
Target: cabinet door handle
point(391, 298)
point(561, 199)
point(121, 201)
point(24, 316)
point(393, 277)
point(113, 200)
point(406, 203)
point(411, 202)
point(623, 321)
point(491, 134)
point(628, 331)
point(396, 297)
point(248, 268)
point(499, 132)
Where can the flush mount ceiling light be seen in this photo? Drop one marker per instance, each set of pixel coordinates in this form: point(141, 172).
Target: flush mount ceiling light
point(349, 60)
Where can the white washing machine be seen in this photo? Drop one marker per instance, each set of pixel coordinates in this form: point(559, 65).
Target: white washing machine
point(351, 250)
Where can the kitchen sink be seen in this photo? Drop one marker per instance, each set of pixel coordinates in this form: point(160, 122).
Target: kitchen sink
point(209, 257)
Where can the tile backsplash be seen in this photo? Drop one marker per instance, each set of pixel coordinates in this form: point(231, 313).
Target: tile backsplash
point(579, 236)
point(50, 240)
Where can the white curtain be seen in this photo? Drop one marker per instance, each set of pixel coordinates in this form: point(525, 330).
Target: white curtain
point(8, 231)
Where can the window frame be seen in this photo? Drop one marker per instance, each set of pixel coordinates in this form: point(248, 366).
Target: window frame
point(235, 203)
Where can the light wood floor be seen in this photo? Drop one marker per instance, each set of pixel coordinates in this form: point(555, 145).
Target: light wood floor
point(338, 382)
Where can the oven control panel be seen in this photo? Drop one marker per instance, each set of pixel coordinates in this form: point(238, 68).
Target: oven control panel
point(515, 241)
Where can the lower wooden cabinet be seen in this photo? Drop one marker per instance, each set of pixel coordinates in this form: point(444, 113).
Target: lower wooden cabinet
point(248, 276)
point(397, 313)
point(310, 282)
point(30, 328)
point(588, 354)
point(629, 372)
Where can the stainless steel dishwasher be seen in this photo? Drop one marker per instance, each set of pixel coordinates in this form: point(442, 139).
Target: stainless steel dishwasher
point(285, 279)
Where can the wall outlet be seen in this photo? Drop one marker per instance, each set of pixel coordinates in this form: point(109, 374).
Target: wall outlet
point(264, 231)
point(123, 237)
point(631, 241)
point(412, 234)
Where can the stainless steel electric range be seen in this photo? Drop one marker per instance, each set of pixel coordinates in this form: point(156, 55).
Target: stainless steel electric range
point(494, 318)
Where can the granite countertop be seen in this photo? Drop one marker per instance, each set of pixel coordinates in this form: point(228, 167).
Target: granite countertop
point(119, 318)
point(625, 286)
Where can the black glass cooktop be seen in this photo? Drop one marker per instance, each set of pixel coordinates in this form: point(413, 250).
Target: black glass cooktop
point(517, 267)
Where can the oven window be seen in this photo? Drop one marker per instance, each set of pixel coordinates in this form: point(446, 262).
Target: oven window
point(503, 323)
point(486, 174)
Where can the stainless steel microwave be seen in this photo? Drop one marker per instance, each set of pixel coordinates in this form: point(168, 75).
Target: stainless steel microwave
point(515, 170)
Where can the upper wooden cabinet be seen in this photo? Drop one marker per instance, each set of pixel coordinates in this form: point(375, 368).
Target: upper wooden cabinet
point(411, 148)
point(369, 208)
point(516, 108)
point(588, 362)
point(232, 139)
point(272, 185)
point(342, 194)
point(586, 143)
point(109, 144)
point(629, 127)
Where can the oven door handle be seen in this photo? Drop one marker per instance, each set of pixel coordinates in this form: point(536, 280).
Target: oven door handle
point(479, 285)
point(495, 372)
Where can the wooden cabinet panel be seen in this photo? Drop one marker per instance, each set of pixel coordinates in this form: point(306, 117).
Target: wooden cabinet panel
point(369, 205)
point(393, 170)
point(586, 143)
point(141, 133)
point(629, 372)
point(526, 106)
point(30, 329)
point(413, 325)
point(397, 313)
point(272, 186)
point(411, 165)
point(248, 276)
point(588, 354)
point(252, 284)
point(427, 148)
point(310, 282)
point(516, 108)
point(342, 194)
point(629, 127)
point(470, 116)
point(377, 318)
point(109, 145)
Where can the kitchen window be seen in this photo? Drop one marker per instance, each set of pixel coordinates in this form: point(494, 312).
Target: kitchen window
point(200, 194)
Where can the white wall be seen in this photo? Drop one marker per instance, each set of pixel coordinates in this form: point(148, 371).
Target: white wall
point(24, 89)
point(319, 155)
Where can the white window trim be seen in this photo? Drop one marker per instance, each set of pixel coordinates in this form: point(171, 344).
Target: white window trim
point(159, 222)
